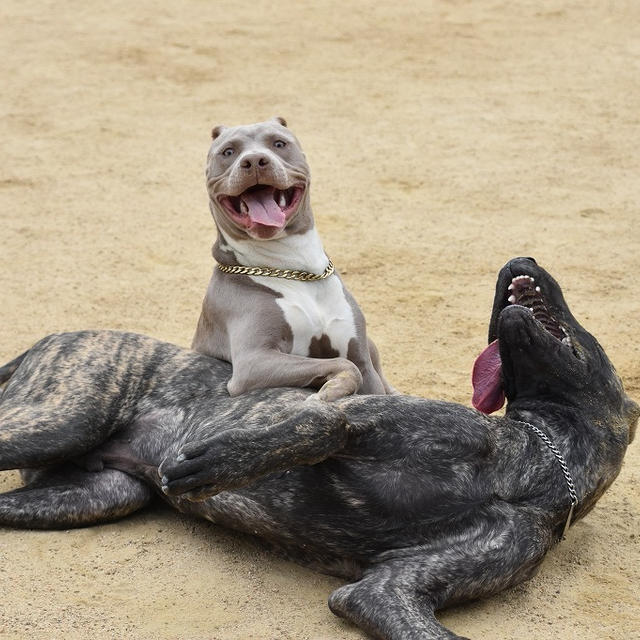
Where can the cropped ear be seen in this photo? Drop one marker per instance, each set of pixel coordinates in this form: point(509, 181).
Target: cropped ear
point(280, 120)
point(216, 131)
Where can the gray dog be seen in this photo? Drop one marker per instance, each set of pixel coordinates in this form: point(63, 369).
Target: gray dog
point(418, 503)
point(275, 307)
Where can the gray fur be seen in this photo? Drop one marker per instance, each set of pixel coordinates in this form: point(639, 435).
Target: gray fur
point(241, 320)
point(419, 504)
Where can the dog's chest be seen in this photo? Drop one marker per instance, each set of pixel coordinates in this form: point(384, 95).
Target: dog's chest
point(319, 315)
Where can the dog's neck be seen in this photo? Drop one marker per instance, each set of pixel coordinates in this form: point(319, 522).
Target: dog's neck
point(568, 427)
point(302, 251)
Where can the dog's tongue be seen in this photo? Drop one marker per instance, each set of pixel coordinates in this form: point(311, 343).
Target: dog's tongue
point(263, 208)
point(488, 395)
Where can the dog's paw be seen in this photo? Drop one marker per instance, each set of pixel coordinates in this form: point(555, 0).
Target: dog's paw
point(196, 473)
point(345, 383)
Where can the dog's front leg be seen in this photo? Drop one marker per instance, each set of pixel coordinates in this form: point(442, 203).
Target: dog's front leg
point(265, 368)
point(397, 596)
point(388, 606)
point(235, 457)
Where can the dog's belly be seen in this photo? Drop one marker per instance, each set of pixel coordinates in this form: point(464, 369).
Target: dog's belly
point(313, 310)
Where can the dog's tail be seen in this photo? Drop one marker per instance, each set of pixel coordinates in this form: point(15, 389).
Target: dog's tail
point(9, 369)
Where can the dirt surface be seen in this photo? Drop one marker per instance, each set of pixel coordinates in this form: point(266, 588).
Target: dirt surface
point(443, 137)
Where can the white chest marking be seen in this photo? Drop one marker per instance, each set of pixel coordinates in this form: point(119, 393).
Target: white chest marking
point(312, 309)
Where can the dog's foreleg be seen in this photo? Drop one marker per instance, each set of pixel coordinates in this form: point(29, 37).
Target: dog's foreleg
point(386, 604)
point(335, 377)
point(65, 497)
point(397, 597)
point(235, 457)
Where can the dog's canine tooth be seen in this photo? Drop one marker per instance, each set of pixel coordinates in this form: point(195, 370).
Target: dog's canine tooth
point(511, 299)
point(282, 200)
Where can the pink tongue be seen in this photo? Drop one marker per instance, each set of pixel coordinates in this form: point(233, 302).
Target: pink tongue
point(488, 395)
point(263, 208)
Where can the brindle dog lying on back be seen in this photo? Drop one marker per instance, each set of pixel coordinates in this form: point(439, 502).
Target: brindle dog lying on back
point(418, 503)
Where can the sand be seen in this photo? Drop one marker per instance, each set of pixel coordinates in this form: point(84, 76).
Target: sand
point(443, 137)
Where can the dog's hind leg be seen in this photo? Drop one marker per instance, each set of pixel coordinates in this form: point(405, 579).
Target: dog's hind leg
point(39, 434)
point(7, 370)
point(65, 497)
point(375, 360)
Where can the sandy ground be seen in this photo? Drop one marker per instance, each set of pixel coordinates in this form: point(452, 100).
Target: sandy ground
point(444, 137)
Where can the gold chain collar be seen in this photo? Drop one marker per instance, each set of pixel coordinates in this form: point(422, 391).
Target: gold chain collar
point(288, 274)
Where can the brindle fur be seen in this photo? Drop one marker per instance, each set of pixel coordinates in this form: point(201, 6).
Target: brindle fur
point(418, 503)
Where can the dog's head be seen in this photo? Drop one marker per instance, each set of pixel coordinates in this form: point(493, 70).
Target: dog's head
point(258, 181)
point(538, 351)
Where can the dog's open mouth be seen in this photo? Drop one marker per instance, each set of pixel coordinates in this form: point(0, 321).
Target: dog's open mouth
point(524, 292)
point(488, 394)
point(263, 205)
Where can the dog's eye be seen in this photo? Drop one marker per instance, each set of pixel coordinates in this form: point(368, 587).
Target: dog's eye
point(279, 144)
point(227, 152)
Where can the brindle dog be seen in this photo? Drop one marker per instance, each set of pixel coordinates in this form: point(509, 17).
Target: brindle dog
point(418, 503)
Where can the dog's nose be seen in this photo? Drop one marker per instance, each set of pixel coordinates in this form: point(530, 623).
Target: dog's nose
point(514, 262)
point(521, 266)
point(254, 160)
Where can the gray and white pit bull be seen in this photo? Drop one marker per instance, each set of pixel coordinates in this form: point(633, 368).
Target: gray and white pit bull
point(276, 331)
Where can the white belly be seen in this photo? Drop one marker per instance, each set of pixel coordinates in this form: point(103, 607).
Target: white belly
point(313, 309)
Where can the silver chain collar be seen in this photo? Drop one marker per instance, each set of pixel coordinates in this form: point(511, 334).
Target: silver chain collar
point(565, 471)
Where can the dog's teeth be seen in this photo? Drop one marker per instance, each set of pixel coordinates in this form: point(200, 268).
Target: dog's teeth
point(510, 288)
point(282, 201)
point(243, 208)
point(511, 299)
point(538, 289)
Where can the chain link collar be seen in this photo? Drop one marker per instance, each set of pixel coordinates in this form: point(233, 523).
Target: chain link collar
point(288, 274)
point(565, 471)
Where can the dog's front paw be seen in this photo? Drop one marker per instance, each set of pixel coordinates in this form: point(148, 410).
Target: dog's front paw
point(196, 473)
point(345, 383)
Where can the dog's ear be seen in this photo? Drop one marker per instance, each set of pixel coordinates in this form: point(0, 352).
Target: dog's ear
point(216, 131)
point(280, 120)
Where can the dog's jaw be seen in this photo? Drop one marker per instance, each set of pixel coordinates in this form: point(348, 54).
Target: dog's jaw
point(523, 319)
point(262, 211)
